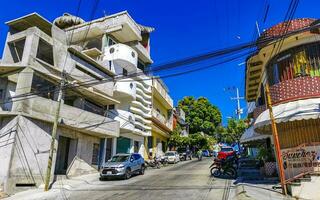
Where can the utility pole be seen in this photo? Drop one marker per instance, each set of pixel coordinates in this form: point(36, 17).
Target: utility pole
point(276, 141)
point(54, 132)
point(239, 110)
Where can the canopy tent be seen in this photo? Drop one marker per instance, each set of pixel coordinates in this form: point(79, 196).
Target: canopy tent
point(291, 111)
point(250, 135)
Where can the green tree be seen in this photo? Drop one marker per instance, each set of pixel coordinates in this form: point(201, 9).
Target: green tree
point(201, 115)
point(234, 130)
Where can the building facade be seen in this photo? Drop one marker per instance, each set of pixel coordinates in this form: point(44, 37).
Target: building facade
point(162, 118)
point(291, 67)
point(179, 119)
point(107, 97)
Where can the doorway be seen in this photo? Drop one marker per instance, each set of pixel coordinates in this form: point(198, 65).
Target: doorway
point(66, 152)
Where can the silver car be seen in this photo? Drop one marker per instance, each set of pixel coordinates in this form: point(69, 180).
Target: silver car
point(123, 165)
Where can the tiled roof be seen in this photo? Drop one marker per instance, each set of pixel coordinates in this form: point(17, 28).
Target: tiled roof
point(292, 25)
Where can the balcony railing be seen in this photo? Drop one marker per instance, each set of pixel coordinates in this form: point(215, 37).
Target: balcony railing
point(295, 89)
point(162, 119)
point(69, 116)
point(163, 92)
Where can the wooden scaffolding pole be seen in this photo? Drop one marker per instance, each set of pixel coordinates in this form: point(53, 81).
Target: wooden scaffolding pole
point(276, 141)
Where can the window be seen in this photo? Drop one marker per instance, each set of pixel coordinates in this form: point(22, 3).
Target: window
point(87, 72)
point(124, 72)
point(16, 50)
point(110, 41)
point(136, 156)
point(45, 52)
point(42, 87)
point(93, 107)
point(296, 62)
point(141, 65)
point(1, 93)
point(136, 150)
point(95, 154)
point(111, 107)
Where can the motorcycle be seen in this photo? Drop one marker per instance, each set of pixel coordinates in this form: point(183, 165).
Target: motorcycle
point(221, 167)
point(155, 162)
point(164, 160)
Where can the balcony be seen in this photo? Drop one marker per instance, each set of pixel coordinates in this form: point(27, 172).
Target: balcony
point(122, 56)
point(161, 93)
point(44, 109)
point(295, 89)
point(125, 88)
point(161, 120)
point(125, 118)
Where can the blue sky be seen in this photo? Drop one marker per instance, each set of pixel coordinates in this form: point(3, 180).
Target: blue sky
point(183, 29)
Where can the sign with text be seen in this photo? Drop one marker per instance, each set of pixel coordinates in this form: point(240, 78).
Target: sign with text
point(305, 158)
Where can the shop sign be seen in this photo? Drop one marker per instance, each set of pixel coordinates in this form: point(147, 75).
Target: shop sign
point(301, 159)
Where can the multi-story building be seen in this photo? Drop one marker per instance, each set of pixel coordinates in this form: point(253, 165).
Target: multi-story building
point(106, 105)
point(162, 118)
point(179, 119)
point(291, 67)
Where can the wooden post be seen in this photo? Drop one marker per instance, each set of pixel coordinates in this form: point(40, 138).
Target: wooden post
point(54, 134)
point(276, 141)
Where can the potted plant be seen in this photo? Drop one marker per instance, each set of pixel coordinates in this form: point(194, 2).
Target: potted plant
point(268, 161)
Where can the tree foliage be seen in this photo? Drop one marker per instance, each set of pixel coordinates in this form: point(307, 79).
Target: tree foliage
point(201, 115)
point(234, 130)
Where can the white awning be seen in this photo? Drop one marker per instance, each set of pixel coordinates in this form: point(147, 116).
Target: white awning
point(292, 111)
point(251, 135)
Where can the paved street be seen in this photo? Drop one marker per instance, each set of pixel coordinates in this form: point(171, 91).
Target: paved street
point(186, 180)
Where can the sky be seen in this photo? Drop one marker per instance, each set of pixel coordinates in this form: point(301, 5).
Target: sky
point(182, 29)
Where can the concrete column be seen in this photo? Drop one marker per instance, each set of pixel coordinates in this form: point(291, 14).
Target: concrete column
point(30, 48)
point(114, 146)
point(24, 84)
point(154, 146)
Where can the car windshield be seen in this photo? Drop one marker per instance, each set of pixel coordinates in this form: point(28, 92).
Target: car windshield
point(226, 149)
point(169, 154)
point(119, 158)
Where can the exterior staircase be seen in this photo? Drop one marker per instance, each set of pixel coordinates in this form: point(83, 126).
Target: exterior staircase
point(249, 169)
point(305, 187)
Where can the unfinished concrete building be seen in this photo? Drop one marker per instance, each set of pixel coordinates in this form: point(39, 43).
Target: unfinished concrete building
point(96, 106)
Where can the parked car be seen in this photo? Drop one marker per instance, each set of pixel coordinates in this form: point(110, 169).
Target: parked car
point(184, 154)
point(205, 153)
point(123, 165)
point(225, 152)
point(172, 156)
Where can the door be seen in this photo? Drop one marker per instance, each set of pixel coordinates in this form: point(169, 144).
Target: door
point(108, 149)
point(62, 155)
point(123, 145)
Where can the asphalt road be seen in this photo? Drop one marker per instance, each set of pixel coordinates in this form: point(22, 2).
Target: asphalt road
point(189, 180)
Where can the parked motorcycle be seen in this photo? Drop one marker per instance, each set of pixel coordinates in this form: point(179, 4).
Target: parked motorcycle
point(222, 167)
point(155, 162)
point(164, 160)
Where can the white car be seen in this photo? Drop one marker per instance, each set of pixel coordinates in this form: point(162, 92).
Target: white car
point(172, 156)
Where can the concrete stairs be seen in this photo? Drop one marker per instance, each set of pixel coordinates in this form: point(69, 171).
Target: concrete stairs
point(305, 187)
point(249, 169)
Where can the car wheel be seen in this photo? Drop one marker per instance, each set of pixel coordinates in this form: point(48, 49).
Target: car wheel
point(102, 179)
point(142, 169)
point(127, 174)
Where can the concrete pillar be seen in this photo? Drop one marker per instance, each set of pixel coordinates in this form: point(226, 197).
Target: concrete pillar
point(114, 146)
point(24, 84)
point(154, 146)
point(30, 48)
